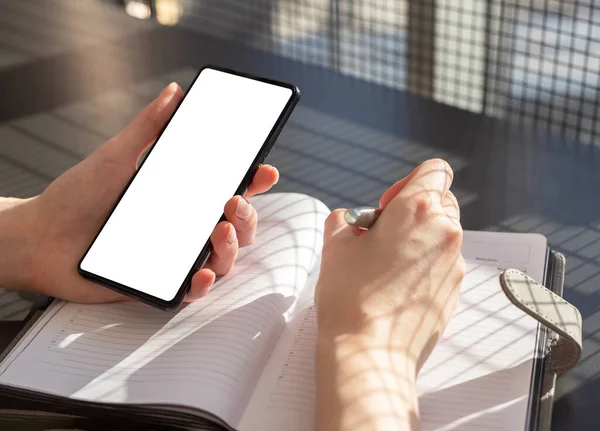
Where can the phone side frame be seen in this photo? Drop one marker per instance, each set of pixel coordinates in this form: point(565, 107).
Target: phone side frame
point(266, 147)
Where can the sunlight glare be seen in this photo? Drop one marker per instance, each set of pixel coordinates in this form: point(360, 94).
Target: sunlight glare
point(69, 339)
point(138, 9)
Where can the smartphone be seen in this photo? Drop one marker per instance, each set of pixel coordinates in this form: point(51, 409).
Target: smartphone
point(158, 233)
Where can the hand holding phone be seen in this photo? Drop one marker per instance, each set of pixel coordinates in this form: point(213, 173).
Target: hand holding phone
point(208, 152)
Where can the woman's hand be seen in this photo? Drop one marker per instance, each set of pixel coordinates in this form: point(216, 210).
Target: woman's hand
point(43, 238)
point(383, 299)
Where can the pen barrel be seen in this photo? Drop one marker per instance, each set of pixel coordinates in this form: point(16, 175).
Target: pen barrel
point(363, 217)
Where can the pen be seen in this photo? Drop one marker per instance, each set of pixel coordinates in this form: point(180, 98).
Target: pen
point(362, 217)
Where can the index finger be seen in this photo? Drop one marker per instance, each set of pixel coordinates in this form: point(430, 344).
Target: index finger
point(433, 177)
point(396, 188)
point(264, 178)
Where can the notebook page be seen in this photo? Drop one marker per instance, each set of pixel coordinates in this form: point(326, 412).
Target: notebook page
point(477, 378)
point(285, 393)
point(208, 355)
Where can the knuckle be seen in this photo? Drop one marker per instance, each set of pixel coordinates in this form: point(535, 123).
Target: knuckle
point(420, 204)
point(452, 231)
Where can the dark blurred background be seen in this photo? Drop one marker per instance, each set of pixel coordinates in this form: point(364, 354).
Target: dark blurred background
point(535, 61)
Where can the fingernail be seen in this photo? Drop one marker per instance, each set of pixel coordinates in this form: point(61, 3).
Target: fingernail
point(169, 91)
point(244, 209)
point(231, 236)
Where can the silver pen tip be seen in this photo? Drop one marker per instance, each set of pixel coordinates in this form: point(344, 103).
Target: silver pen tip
point(351, 216)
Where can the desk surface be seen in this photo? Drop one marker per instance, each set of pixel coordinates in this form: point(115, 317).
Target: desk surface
point(348, 140)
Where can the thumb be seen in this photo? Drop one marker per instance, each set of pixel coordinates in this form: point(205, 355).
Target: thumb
point(144, 129)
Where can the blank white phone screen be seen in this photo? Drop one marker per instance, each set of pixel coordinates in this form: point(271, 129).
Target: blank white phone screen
point(166, 216)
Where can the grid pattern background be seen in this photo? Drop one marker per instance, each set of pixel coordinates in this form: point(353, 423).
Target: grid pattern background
point(534, 62)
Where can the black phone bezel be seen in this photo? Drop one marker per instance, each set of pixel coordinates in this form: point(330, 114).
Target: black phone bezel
point(177, 300)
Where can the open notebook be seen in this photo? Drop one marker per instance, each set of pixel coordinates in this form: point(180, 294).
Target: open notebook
point(243, 356)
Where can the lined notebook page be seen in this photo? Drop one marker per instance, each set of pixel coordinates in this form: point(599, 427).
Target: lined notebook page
point(477, 378)
point(285, 394)
point(208, 355)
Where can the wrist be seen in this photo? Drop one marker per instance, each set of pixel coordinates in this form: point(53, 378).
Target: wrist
point(17, 239)
point(401, 330)
point(377, 350)
point(371, 385)
point(395, 334)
